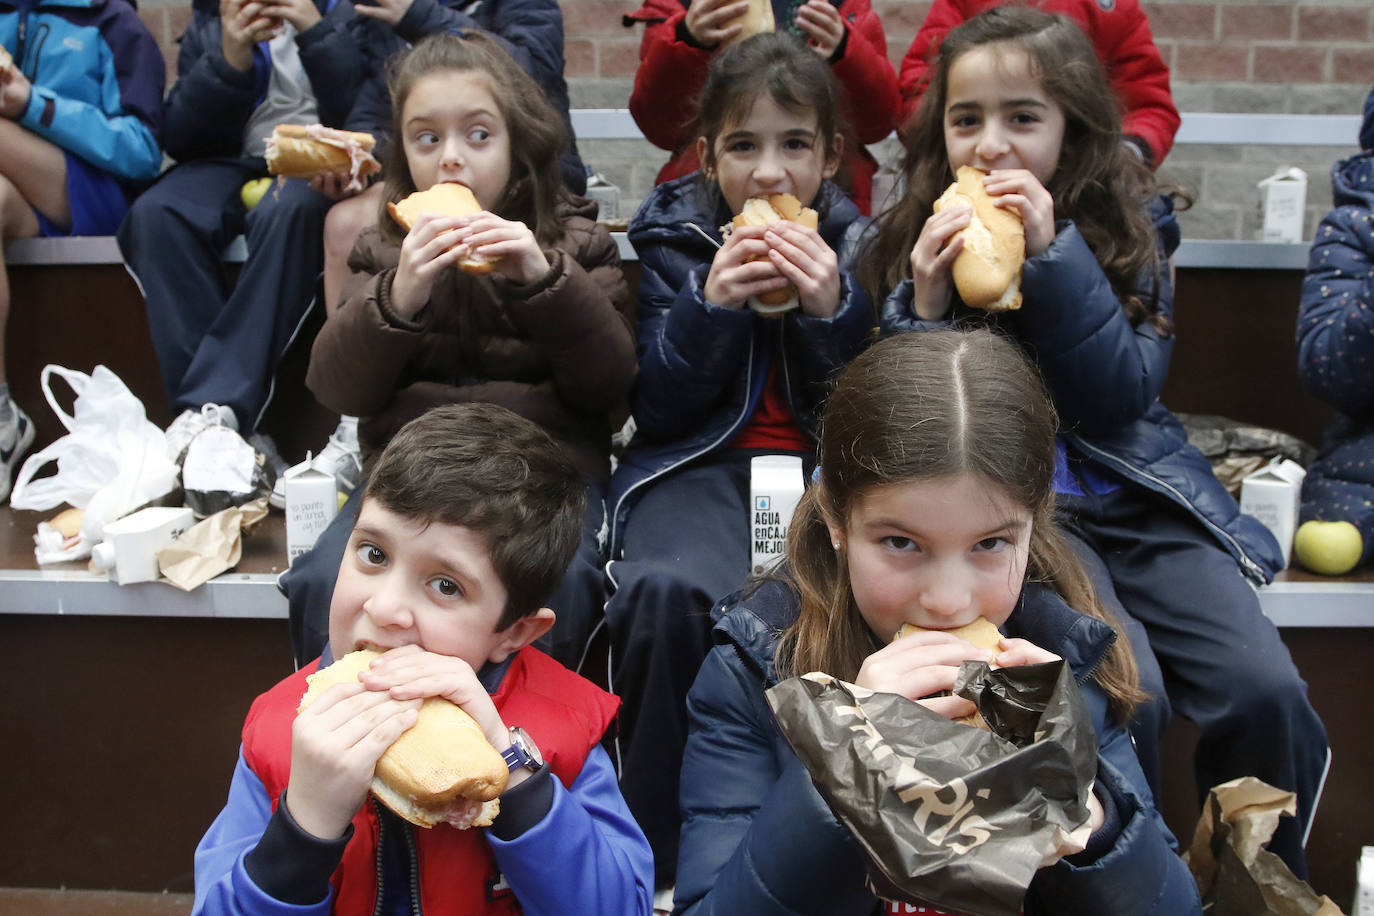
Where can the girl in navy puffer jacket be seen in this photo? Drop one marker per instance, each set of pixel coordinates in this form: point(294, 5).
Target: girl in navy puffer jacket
point(720, 383)
point(1336, 359)
point(1020, 95)
point(934, 507)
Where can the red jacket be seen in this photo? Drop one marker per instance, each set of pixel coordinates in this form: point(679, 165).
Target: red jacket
point(1119, 31)
point(564, 714)
point(671, 73)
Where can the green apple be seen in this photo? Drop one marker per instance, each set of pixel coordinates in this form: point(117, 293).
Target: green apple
point(1328, 548)
point(253, 190)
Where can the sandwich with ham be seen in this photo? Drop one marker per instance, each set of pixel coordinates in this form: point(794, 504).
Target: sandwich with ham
point(308, 151)
point(441, 770)
point(447, 198)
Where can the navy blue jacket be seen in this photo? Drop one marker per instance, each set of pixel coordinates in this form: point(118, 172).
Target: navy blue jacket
point(702, 367)
point(1336, 342)
point(1105, 377)
point(211, 102)
point(531, 30)
point(758, 839)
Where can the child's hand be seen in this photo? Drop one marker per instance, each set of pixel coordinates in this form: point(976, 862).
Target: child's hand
point(709, 20)
point(1021, 191)
point(1016, 652)
point(490, 236)
point(412, 673)
point(922, 664)
point(14, 93)
point(932, 257)
point(427, 251)
point(820, 19)
point(335, 744)
point(742, 268)
point(244, 23)
point(300, 13)
point(336, 186)
point(803, 257)
point(388, 11)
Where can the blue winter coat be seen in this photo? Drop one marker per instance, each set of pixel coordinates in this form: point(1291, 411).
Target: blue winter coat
point(1336, 343)
point(1105, 377)
point(758, 839)
point(702, 367)
point(211, 102)
point(531, 30)
point(97, 77)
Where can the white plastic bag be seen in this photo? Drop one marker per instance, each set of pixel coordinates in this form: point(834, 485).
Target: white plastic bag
point(112, 460)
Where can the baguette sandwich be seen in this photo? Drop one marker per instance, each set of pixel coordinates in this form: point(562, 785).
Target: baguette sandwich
point(760, 211)
point(441, 770)
point(987, 272)
point(301, 151)
point(981, 633)
point(447, 198)
point(754, 20)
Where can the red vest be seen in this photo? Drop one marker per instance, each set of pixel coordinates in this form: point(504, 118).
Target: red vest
point(564, 713)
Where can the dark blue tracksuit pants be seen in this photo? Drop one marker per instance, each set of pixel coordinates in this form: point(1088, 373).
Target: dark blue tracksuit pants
point(1223, 664)
point(686, 546)
point(217, 342)
point(578, 601)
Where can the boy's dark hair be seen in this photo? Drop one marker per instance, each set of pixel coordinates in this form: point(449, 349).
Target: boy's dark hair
point(537, 132)
point(1099, 184)
point(494, 472)
point(922, 406)
point(776, 64)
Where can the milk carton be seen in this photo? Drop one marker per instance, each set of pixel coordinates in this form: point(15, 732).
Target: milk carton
point(1272, 495)
point(606, 195)
point(1282, 198)
point(129, 551)
point(775, 487)
point(312, 501)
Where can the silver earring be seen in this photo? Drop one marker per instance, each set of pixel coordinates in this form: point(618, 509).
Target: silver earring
point(835, 544)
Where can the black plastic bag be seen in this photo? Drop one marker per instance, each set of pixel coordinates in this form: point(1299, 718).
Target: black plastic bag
point(951, 816)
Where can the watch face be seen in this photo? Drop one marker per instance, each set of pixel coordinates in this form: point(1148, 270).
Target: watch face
point(524, 749)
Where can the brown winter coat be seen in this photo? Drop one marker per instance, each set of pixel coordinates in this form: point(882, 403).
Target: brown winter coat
point(560, 351)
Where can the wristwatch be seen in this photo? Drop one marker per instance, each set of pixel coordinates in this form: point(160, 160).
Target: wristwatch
point(522, 751)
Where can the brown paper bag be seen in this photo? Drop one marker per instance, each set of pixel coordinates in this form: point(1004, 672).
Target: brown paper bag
point(1236, 875)
point(210, 546)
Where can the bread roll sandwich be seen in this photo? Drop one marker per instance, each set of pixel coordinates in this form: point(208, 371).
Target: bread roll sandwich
point(982, 634)
point(757, 18)
point(441, 770)
point(307, 151)
point(5, 63)
point(760, 211)
point(987, 272)
point(447, 198)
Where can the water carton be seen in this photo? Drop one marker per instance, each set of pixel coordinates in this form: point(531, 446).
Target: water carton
point(775, 487)
point(129, 551)
point(312, 501)
point(1272, 494)
point(1282, 198)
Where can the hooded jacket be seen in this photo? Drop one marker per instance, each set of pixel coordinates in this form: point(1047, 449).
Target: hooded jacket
point(211, 102)
point(702, 367)
point(672, 70)
point(758, 839)
point(1105, 377)
point(97, 78)
point(1336, 340)
point(559, 351)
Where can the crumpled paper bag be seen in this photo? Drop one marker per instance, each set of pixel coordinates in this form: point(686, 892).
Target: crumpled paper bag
point(210, 546)
point(1236, 875)
point(951, 816)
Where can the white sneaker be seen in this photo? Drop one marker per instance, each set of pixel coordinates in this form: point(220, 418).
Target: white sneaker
point(185, 427)
point(19, 434)
point(340, 456)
